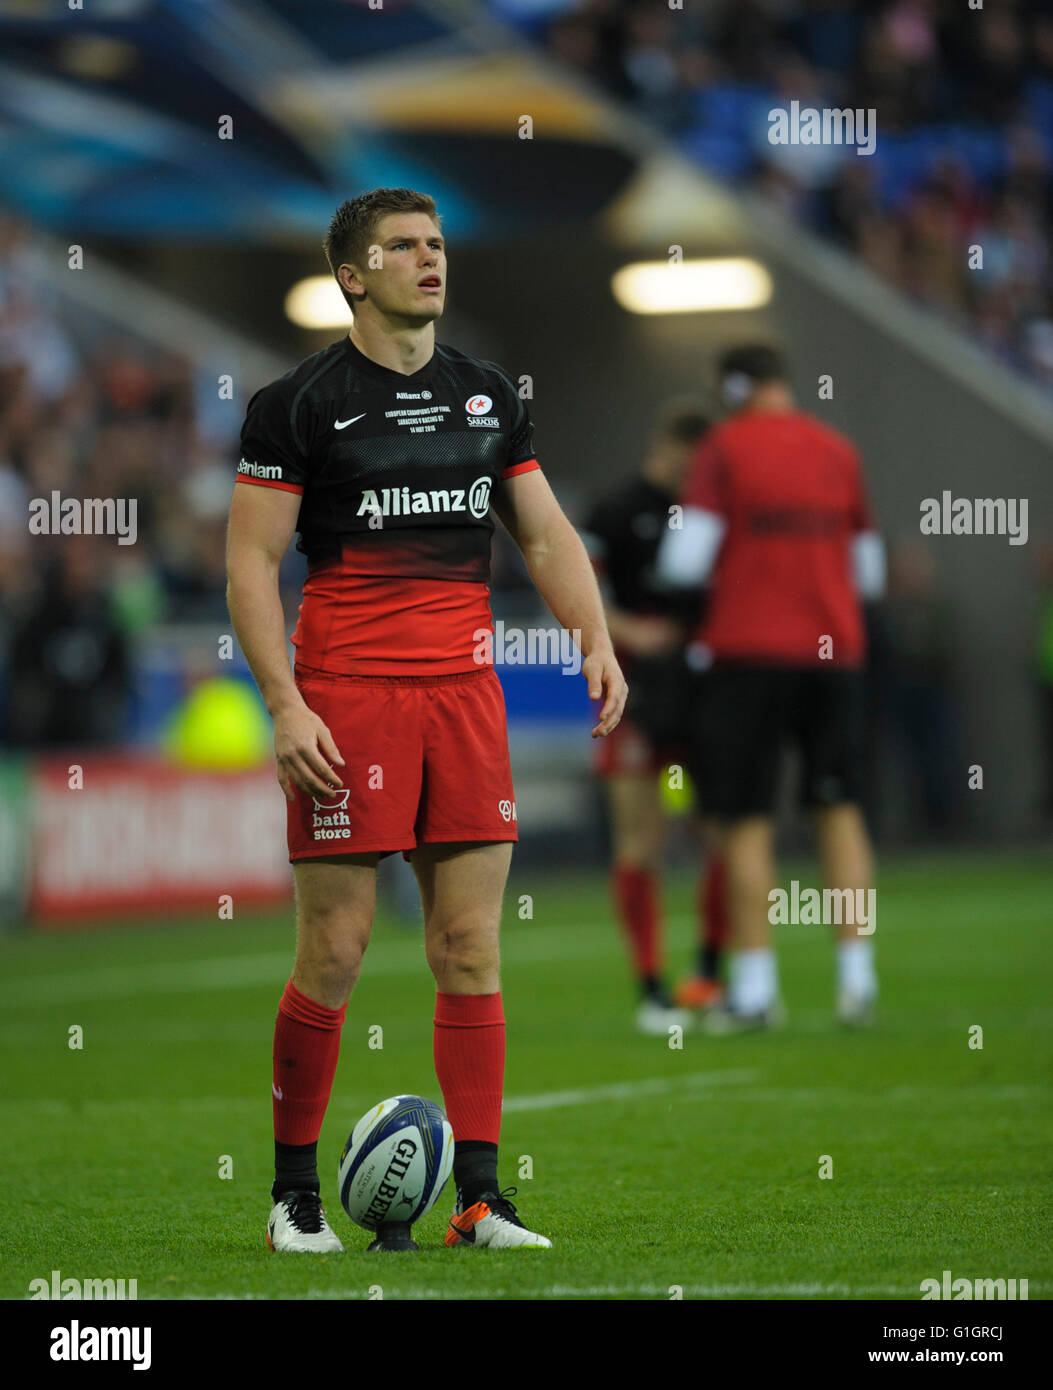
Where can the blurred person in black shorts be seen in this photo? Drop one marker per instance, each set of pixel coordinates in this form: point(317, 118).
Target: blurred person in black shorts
point(776, 521)
point(649, 627)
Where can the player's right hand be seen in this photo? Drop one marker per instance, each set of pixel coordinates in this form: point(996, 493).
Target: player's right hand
point(305, 753)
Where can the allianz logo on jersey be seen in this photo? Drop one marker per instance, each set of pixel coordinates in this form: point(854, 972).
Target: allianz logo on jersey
point(404, 501)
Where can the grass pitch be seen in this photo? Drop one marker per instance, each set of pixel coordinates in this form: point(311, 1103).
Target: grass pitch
point(653, 1169)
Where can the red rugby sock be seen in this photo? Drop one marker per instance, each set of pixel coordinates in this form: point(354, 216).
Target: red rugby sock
point(470, 1063)
point(636, 899)
point(306, 1048)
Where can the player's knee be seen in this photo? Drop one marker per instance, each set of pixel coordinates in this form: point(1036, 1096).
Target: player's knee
point(327, 978)
point(465, 946)
point(329, 954)
point(638, 853)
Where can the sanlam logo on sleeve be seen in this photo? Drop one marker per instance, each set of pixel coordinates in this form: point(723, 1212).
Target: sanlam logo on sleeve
point(260, 470)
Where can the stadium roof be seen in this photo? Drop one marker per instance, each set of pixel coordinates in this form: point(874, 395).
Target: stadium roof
point(109, 117)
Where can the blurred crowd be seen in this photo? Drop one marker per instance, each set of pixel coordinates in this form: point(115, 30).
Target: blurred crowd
point(88, 413)
point(964, 116)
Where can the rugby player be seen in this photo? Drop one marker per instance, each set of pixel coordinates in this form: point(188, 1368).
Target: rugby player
point(777, 523)
point(386, 452)
point(650, 627)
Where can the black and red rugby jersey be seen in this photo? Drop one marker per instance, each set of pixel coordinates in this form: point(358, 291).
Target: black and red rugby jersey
point(622, 533)
point(396, 474)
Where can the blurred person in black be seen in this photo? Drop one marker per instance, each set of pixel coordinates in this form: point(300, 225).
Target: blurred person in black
point(649, 627)
point(68, 673)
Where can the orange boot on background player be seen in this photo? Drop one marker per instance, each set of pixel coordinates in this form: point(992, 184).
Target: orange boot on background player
point(704, 988)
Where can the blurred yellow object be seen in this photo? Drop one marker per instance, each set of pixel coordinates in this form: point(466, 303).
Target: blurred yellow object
point(676, 790)
point(222, 725)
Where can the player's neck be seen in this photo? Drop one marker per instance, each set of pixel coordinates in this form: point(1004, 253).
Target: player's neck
point(773, 397)
point(403, 350)
point(656, 472)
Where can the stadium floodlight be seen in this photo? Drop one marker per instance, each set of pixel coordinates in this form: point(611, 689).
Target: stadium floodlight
point(316, 302)
point(692, 287)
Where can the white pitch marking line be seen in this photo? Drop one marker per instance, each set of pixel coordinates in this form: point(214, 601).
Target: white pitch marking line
point(902, 1292)
point(549, 1100)
point(748, 1091)
point(625, 1090)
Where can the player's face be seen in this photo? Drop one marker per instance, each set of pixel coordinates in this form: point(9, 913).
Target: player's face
point(669, 462)
point(409, 282)
point(680, 456)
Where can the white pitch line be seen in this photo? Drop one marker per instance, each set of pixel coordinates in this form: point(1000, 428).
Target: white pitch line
point(625, 1090)
point(901, 1292)
point(549, 1100)
point(742, 1079)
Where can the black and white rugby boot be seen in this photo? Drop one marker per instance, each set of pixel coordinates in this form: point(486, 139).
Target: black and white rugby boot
point(298, 1223)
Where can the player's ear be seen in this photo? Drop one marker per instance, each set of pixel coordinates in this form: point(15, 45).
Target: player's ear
point(348, 280)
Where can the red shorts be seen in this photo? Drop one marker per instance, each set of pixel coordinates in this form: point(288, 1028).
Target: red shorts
point(628, 752)
point(425, 762)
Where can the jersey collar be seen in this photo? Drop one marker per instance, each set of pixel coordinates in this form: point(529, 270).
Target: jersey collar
point(387, 374)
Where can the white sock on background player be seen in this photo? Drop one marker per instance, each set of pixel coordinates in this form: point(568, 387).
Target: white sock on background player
point(855, 969)
point(754, 985)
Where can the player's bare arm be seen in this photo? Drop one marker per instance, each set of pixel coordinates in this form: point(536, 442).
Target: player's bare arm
point(262, 522)
point(643, 634)
point(561, 570)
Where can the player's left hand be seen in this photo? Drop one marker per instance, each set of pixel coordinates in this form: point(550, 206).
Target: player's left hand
point(606, 683)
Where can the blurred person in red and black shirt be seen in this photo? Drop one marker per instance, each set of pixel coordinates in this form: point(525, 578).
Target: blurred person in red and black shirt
point(777, 523)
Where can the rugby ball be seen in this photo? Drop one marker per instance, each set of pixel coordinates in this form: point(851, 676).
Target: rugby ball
point(396, 1162)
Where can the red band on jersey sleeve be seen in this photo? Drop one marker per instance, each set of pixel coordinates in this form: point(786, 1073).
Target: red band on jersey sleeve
point(516, 468)
point(269, 482)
